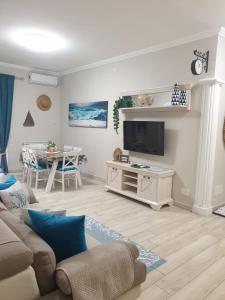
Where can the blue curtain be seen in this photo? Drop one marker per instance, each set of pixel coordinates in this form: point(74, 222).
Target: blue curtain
point(6, 102)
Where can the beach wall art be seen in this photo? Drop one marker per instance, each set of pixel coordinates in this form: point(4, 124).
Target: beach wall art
point(88, 114)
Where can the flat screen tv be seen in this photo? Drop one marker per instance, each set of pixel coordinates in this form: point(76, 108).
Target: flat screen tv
point(144, 136)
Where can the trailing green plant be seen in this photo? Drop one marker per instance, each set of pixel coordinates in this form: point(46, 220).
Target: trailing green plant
point(51, 144)
point(125, 101)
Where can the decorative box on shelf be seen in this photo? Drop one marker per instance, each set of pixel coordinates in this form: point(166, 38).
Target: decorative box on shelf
point(151, 185)
point(171, 98)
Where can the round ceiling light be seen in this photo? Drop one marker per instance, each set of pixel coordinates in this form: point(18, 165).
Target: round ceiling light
point(38, 41)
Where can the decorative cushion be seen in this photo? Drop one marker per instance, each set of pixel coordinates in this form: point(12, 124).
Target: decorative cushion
point(61, 169)
point(24, 214)
point(32, 198)
point(64, 234)
point(16, 196)
point(41, 167)
point(67, 169)
point(7, 183)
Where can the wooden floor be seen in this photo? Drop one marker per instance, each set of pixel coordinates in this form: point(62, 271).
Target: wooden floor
point(193, 246)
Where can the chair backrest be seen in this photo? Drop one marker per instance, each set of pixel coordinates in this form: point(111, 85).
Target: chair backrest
point(32, 158)
point(25, 156)
point(70, 159)
point(37, 146)
point(72, 148)
point(68, 148)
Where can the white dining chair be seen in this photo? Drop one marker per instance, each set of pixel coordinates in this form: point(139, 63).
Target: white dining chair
point(69, 169)
point(37, 168)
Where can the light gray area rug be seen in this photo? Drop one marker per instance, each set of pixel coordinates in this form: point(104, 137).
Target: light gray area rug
point(104, 234)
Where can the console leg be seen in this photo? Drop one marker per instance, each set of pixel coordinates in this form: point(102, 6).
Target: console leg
point(155, 206)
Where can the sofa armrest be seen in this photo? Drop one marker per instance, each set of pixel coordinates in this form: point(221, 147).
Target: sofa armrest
point(14, 255)
point(75, 262)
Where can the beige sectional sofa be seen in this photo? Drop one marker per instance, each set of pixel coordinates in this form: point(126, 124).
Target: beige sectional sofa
point(28, 264)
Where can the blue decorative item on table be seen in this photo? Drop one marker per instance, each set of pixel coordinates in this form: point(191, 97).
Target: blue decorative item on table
point(64, 234)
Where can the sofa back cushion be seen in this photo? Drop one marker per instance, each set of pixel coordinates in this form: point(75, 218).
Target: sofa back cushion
point(15, 257)
point(44, 262)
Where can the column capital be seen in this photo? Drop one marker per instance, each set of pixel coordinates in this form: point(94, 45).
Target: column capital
point(210, 81)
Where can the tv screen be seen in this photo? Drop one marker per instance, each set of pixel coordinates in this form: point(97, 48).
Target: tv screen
point(144, 136)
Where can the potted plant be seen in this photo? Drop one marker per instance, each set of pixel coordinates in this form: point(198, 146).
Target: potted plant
point(51, 146)
point(125, 101)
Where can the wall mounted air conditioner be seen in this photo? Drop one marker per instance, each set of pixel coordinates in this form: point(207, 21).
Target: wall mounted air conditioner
point(43, 79)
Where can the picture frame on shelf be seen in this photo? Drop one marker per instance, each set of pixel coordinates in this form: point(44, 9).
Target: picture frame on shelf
point(124, 158)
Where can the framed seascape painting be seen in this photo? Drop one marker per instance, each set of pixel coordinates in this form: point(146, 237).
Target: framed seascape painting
point(89, 114)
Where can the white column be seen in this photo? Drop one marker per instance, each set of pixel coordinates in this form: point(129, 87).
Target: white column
point(207, 147)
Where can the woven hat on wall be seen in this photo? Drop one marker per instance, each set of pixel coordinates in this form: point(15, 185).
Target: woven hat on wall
point(44, 103)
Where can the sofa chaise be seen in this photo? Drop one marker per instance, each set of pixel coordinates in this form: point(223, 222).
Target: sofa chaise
point(28, 269)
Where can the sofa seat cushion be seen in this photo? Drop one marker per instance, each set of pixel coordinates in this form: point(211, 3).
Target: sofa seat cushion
point(22, 286)
point(44, 263)
point(14, 255)
point(56, 295)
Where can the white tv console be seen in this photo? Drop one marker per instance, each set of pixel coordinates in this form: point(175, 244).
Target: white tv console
point(152, 186)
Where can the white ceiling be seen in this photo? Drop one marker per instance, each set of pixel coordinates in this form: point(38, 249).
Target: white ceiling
point(101, 29)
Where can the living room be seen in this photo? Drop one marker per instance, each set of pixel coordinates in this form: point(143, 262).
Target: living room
point(125, 109)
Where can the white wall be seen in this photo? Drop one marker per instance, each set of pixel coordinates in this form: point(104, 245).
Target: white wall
point(160, 68)
point(47, 124)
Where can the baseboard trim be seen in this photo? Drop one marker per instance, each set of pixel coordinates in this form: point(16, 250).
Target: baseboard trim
point(85, 174)
point(202, 211)
point(183, 205)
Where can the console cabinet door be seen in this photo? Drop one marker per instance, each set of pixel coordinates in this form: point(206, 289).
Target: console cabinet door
point(114, 178)
point(147, 187)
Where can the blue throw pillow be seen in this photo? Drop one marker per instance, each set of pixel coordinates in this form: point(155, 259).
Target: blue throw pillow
point(64, 234)
point(9, 182)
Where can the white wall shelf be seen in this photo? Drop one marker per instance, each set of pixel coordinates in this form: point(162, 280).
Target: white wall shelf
point(155, 108)
point(162, 99)
point(157, 90)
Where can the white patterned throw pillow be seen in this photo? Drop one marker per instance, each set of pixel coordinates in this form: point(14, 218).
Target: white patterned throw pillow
point(16, 196)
